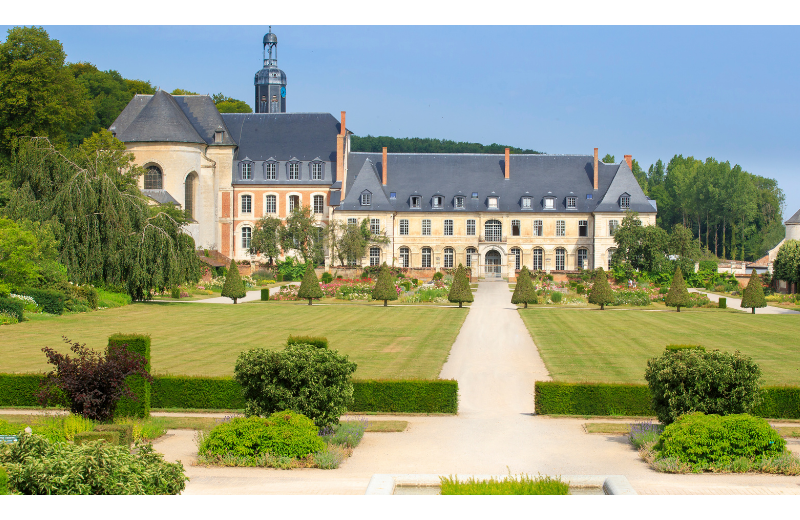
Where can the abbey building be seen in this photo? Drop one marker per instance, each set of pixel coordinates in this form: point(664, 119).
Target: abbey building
point(491, 212)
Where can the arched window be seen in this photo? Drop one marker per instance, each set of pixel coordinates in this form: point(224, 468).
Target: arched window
point(583, 257)
point(610, 254)
point(517, 253)
point(190, 193)
point(538, 255)
point(247, 234)
point(404, 257)
point(470, 251)
point(561, 258)
point(374, 256)
point(294, 202)
point(426, 257)
point(448, 257)
point(493, 231)
point(153, 179)
point(271, 204)
point(247, 204)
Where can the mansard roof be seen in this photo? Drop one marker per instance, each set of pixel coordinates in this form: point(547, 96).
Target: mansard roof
point(165, 118)
point(536, 176)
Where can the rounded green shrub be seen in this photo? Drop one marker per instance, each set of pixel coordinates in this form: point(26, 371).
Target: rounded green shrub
point(438, 275)
point(713, 439)
point(555, 297)
point(285, 433)
point(327, 277)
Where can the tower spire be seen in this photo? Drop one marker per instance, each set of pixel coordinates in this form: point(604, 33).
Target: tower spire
point(270, 81)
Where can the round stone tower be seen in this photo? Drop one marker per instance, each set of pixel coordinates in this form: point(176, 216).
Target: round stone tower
point(270, 81)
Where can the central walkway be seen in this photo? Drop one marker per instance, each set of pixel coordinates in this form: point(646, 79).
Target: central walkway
point(496, 364)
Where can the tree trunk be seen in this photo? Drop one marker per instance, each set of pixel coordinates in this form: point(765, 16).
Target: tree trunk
point(716, 243)
point(234, 300)
point(706, 229)
point(526, 305)
point(602, 306)
point(754, 310)
point(385, 304)
point(462, 303)
point(309, 301)
point(679, 308)
point(724, 225)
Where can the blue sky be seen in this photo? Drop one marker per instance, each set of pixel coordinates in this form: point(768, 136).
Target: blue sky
point(651, 91)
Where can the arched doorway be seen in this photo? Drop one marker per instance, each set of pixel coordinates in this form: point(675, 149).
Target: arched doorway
point(493, 264)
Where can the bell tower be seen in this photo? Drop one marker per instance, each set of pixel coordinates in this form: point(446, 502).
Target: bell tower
point(270, 81)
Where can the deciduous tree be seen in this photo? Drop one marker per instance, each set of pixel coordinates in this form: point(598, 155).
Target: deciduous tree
point(266, 238)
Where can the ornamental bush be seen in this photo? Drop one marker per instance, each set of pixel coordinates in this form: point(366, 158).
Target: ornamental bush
point(601, 293)
point(460, 291)
point(309, 380)
point(700, 439)
point(284, 433)
point(13, 307)
point(524, 291)
point(754, 293)
point(233, 288)
point(692, 380)
point(309, 287)
point(327, 277)
point(677, 296)
point(384, 288)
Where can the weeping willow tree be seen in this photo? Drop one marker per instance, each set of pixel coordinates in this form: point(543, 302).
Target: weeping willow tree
point(107, 232)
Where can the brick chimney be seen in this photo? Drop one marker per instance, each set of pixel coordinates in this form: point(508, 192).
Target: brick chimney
point(384, 173)
point(507, 163)
point(596, 181)
point(340, 172)
point(629, 160)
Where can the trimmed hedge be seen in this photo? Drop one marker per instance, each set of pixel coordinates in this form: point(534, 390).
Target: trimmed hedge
point(84, 437)
point(12, 306)
point(127, 407)
point(723, 303)
point(315, 341)
point(685, 347)
point(88, 293)
point(50, 301)
point(264, 295)
point(196, 392)
point(779, 402)
point(405, 396)
point(553, 397)
point(19, 389)
point(125, 432)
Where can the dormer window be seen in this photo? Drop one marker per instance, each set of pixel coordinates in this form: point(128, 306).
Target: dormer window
point(247, 171)
point(416, 202)
point(625, 201)
point(572, 202)
point(317, 167)
point(549, 203)
point(526, 203)
point(475, 195)
point(271, 170)
point(437, 202)
point(393, 195)
point(493, 202)
point(219, 136)
point(294, 171)
point(366, 198)
point(459, 202)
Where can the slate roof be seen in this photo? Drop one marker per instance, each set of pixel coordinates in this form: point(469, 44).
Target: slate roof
point(625, 183)
point(794, 219)
point(535, 176)
point(161, 196)
point(284, 136)
point(166, 118)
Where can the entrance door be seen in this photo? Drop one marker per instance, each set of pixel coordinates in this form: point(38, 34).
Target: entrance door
point(493, 264)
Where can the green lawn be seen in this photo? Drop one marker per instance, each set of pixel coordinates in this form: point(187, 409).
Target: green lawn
point(205, 339)
point(613, 346)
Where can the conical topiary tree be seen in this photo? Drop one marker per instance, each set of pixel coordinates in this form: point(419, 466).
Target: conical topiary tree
point(309, 287)
point(677, 296)
point(601, 293)
point(524, 292)
point(384, 288)
point(233, 288)
point(753, 295)
point(460, 291)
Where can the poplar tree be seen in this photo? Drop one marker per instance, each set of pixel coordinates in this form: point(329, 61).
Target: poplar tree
point(677, 296)
point(601, 293)
point(753, 295)
point(384, 288)
point(309, 287)
point(524, 292)
point(233, 288)
point(460, 291)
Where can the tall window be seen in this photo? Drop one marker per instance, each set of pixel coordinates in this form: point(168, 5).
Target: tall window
point(319, 204)
point(153, 179)
point(404, 257)
point(247, 171)
point(470, 227)
point(374, 256)
point(247, 204)
point(583, 256)
point(537, 228)
point(572, 202)
point(583, 228)
point(316, 171)
point(448, 227)
point(426, 228)
point(561, 258)
point(294, 202)
point(426, 257)
point(247, 235)
point(271, 170)
point(612, 227)
point(404, 227)
point(610, 254)
point(515, 229)
point(271, 204)
point(493, 231)
point(375, 226)
point(537, 259)
point(188, 195)
point(470, 251)
point(294, 171)
point(561, 228)
point(517, 257)
point(448, 257)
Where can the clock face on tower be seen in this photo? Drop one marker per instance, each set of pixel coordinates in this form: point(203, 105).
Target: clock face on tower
point(283, 92)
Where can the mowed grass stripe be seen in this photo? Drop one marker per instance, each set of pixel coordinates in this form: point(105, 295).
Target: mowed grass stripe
point(205, 339)
point(613, 346)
